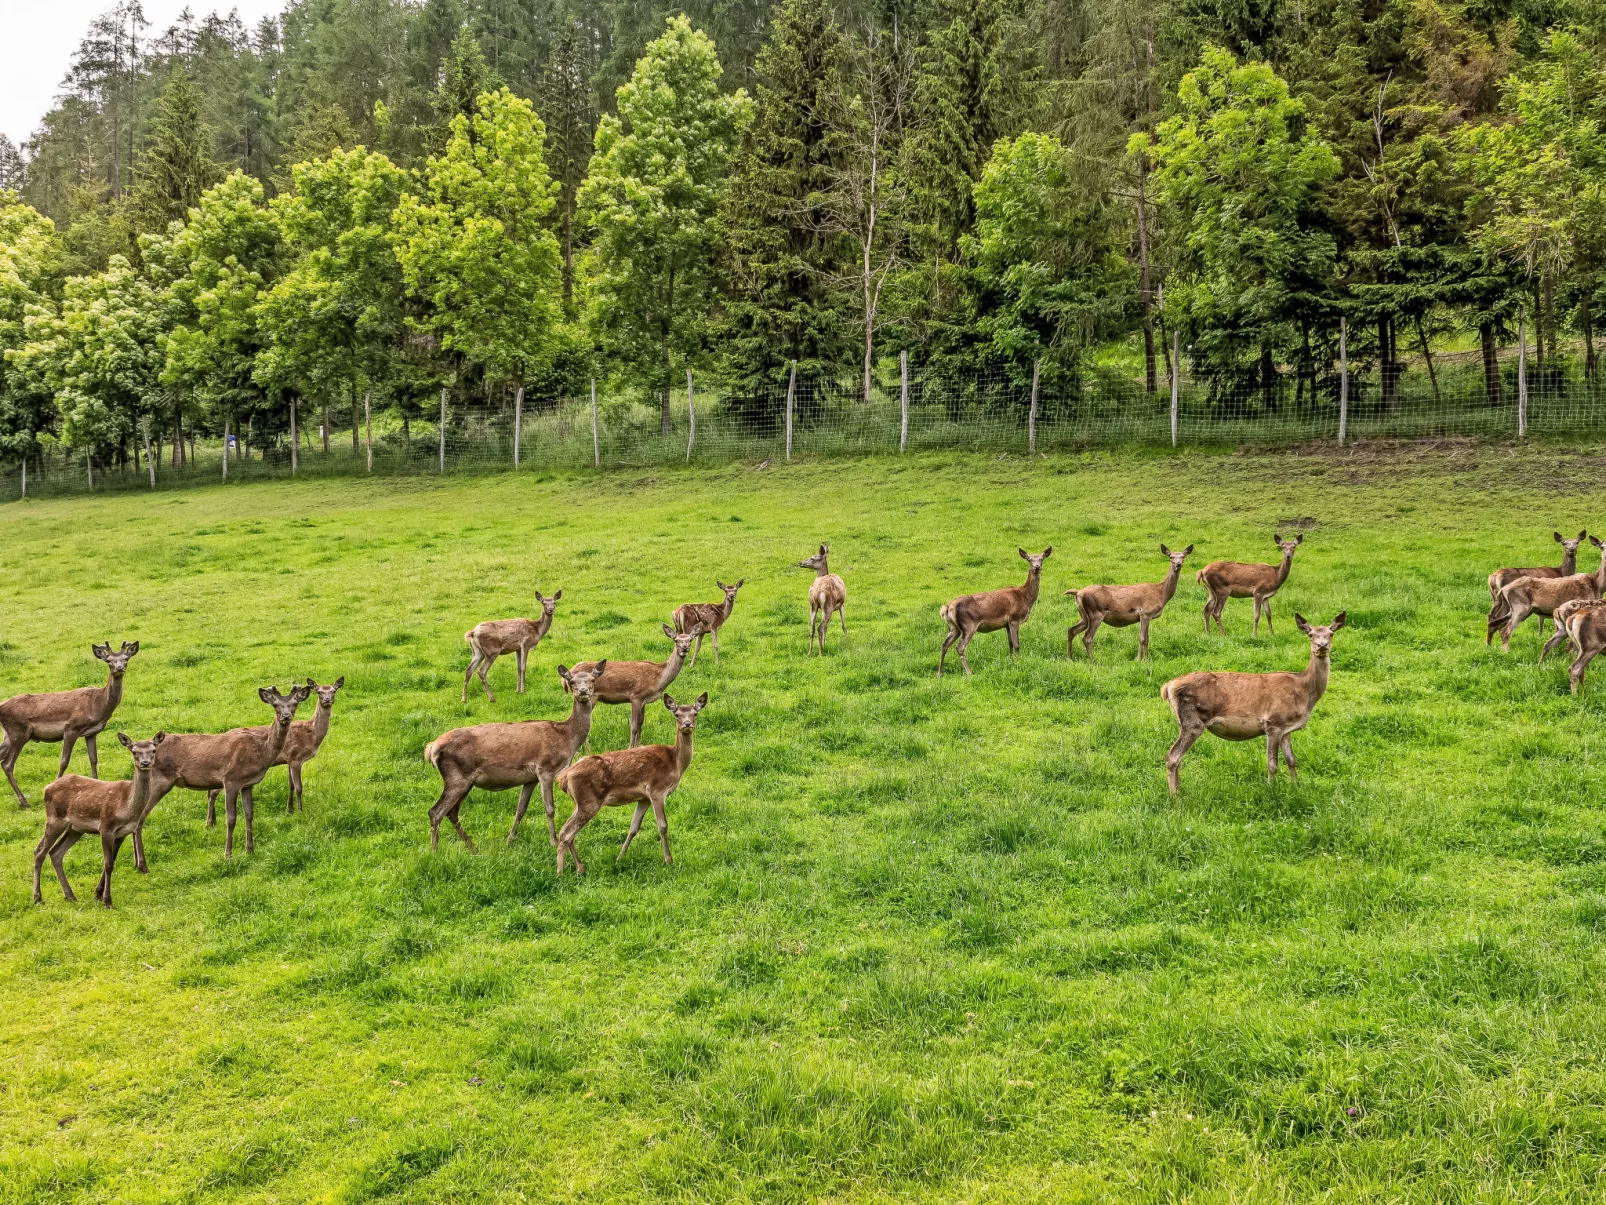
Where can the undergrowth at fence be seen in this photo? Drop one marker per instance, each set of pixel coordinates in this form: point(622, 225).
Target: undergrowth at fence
point(922, 940)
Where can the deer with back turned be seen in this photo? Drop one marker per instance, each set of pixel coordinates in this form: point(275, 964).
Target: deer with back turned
point(827, 593)
point(1239, 579)
point(489, 640)
point(705, 619)
point(64, 715)
point(1240, 707)
point(1122, 606)
point(1582, 623)
point(76, 806)
point(1543, 595)
point(992, 610)
point(1501, 578)
point(301, 746)
point(644, 777)
point(639, 683)
point(499, 757)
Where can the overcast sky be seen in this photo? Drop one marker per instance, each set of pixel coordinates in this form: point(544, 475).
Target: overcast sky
point(38, 37)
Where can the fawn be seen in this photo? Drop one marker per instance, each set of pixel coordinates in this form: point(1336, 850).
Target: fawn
point(1122, 606)
point(1501, 578)
point(1235, 579)
point(498, 757)
point(1240, 707)
point(705, 619)
point(644, 777)
point(827, 593)
point(1582, 622)
point(491, 639)
point(987, 612)
point(63, 715)
point(300, 747)
point(1542, 595)
point(639, 682)
point(76, 806)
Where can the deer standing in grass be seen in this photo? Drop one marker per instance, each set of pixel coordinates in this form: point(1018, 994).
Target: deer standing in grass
point(827, 593)
point(232, 762)
point(705, 619)
point(300, 747)
point(63, 715)
point(1501, 578)
point(644, 777)
point(1236, 579)
point(1582, 622)
point(1123, 606)
point(639, 682)
point(76, 806)
point(988, 612)
point(1240, 707)
point(499, 757)
point(1542, 595)
point(491, 639)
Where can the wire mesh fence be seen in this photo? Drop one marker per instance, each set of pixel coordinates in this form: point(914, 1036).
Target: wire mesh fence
point(997, 412)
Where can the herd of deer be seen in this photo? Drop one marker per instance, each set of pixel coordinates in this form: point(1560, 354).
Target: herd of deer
point(542, 753)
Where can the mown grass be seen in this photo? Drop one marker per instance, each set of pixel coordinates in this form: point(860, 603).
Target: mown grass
point(922, 940)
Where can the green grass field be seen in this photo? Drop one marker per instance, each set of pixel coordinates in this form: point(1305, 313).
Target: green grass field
point(923, 940)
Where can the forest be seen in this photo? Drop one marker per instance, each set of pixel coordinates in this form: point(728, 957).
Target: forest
point(361, 203)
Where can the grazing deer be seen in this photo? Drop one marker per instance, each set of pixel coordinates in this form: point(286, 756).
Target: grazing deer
point(491, 639)
point(827, 593)
point(1240, 707)
point(1542, 595)
point(1501, 578)
point(644, 777)
point(300, 747)
point(987, 612)
point(1123, 606)
point(1235, 579)
point(498, 757)
point(705, 619)
point(63, 715)
point(639, 682)
point(76, 806)
point(1582, 622)
point(233, 762)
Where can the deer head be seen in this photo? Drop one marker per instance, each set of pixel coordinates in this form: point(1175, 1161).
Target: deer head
point(817, 561)
point(730, 591)
point(1570, 547)
point(686, 717)
point(1036, 562)
point(582, 684)
point(1321, 638)
point(116, 662)
point(284, 706)
point(144, 752)
point(1177, 557)
point(548, 605)
point(1287, 547)
point(683, 641)
point(326, 694)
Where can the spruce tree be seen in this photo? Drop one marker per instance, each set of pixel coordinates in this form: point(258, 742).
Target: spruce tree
point(178, 168)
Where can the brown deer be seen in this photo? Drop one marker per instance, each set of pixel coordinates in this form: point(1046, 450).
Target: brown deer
point(827, 593)
point(300, 747)
point(499, 757)
point(1235, 579)
point(644, 777)
point(233, 762)
point(639, 682)
point(988, 612)
point(491, 639)
point(1542, 595)
point(1240, 707)
point(63, 715)
point(705, 619)
point(1123, 606)
point(76, 806)
point(1501, 578)
point(1582, 622)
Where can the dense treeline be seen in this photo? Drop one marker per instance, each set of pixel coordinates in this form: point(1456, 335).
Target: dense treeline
point(366, 201)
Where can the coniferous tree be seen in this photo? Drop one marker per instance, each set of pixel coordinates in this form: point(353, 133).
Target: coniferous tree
point(178, 168)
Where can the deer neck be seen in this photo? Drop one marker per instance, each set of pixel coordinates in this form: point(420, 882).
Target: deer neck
point(671, 670)
point(682, 752)
point(578, 725)
point(1034, 580)
point(1282, 570)
point(1169, 586)
point(824, 570)
point(1315, 677)
point(272, 742)
point(1569, 562)
point(111, 695)
point(140, 792)
point(320, 725)
point(725, 611)
point(542, 624)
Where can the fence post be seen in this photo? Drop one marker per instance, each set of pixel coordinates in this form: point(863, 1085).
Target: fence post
point(791, 392)
point(89, 464)
point(150, 463)
point(1176, 364)
point(1031, 414)
point(295, 437)
point(443, 430)
point(1522, 374)
point(518, 422)
point(691, 414)
point(1343, 378)
point(903, 376)
point(596, 448)
point(368, 424)
point(225, 447)
point(25, 473)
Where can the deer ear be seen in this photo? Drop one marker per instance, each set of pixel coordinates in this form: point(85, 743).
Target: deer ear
point(123, 738)
point(602, 668)
point(1048, 552)
point(669, 702)
point(267, 694)
point(1187, 550)
point(1582, 534)
point(1299, 622)
point(101, 651)
point(557, 596)
point(158, 738)
point(563, 672)
point(1556, 535)
point(740, 582)
point(669, 631)
point(1338, 621)
point(340, 681)
point(130, 649)
point(1165, 550)
point(1300, 538)
point(1024, 555)
point(1277, 537)
point(1595, 540)
point(824, 548)
point(702, 700)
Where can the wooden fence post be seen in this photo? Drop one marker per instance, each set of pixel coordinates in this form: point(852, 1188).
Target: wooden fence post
point(791, 392)
point(295, 437)
point(368, 424)
point(596, 447)
point(1522, 374)
point(89, 466)
point(518, 422)
point(1031, 414)
point(225, 447)
point(691, 415)
point(903, 376)
point(150, 462)
point(1343, 379)
point(1176, 368)
point(443, 430)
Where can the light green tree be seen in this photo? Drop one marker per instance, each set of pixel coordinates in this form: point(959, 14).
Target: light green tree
point(30, 266)
point(651, 198)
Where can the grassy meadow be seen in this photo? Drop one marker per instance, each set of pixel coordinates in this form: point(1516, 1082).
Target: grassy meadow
point(922, 941)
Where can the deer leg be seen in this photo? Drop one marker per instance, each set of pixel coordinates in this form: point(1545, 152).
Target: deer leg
point(1189, 730)
point(67, 742)
point(663, 828)
point(229, 814)
point(842, 618)
point(249, 809)
point(295, 786)
point(1556, 638)
point(825, 626)
point(551, 811)
point(211, 808)
point(525, 792)
point(1575, 672)
point(1272, 738)
point(1255, 631)
point(41, 852)
point(468, 674)
point(94, 757)
point(521, 660)
point(953, 635)
point(714, 635)
point(1288, 755)
point(1093, 622)
point(1014, 638)
point(1519, 612)
point(964, 642)
point(9, 748)
point(638, 716)
point(695, 649)
point(486, 663)
point(583, 811)
point(1267, 607)
point(453, 790)
point(109, 845)
point(1070, 637)
point(635, 827)
point(58, 852)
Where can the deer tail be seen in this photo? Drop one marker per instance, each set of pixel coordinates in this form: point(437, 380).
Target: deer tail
point(947, 611)
point(1169, 694)
point(563, 778)
point(432, 753)
point(1199, 577)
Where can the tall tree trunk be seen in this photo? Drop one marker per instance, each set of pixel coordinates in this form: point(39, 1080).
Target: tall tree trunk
point(1388, 369)
point(1151, 379)
point(568, 258)
point(356, 443)
point(1493, 388)
point(1427, 357)
point(325, 428)
point(1539, 329)
point(1586, 319)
